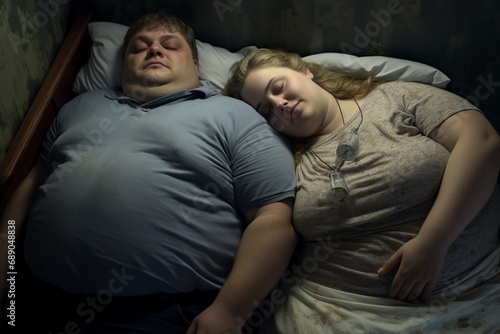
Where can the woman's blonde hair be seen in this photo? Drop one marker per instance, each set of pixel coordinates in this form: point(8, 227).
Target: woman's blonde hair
point(342, 85)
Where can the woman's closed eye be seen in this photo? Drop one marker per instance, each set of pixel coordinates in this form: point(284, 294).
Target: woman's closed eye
point(277, 87)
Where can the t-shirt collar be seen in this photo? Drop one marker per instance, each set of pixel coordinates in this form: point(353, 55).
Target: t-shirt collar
point(205, 90)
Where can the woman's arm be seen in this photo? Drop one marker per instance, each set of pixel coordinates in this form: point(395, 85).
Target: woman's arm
point(468, 181)
point(470, 175)
point(264, 253)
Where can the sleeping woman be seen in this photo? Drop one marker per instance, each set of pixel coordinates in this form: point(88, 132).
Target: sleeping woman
point(397, 202)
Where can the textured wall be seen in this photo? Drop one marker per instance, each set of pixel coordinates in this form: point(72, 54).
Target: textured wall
point(31, 33)
point(461, 38)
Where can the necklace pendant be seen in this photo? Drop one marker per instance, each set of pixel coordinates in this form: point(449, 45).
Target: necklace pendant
point(348, 146)
point(338, 185)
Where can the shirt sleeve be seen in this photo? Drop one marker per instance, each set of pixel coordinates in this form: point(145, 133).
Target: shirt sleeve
point(49, 139)
point(431, 106)
point(263, 168)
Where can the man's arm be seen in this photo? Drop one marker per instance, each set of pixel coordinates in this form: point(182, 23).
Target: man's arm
point(264, 253)
point(16, 212)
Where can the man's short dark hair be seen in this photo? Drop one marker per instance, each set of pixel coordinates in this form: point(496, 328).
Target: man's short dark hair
point(165, 20)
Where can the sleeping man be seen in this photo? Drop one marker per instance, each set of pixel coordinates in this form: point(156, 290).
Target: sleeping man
point(161, 208)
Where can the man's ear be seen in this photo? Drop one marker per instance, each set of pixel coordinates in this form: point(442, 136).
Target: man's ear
point(308, 73)
point(197, 64)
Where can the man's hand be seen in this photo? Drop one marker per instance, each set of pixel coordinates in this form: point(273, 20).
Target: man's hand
point(420, 263)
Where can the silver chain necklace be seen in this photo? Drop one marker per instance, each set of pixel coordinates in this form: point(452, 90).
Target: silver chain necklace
point(346, 151)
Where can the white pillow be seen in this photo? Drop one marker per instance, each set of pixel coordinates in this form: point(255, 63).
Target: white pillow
point(104, 68)
point(214, 62)
point(386, 68)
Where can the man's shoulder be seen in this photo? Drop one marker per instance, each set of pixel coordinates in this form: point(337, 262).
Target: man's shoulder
point(87, 101)
point(98, 94)
point(231, 101)
point(234, 108)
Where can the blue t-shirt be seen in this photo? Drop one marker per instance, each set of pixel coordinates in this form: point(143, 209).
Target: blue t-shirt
point(146, 198)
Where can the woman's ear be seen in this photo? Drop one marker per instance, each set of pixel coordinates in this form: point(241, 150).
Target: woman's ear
point(308, 73)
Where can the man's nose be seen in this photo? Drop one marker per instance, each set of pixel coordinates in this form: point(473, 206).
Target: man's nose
point(155, 50)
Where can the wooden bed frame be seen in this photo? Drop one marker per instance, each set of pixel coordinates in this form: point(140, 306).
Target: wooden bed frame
point(54, 92)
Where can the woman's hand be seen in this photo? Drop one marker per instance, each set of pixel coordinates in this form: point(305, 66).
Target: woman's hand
point(420, 262)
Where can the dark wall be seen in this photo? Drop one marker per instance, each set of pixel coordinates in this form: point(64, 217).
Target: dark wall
point(31, 33)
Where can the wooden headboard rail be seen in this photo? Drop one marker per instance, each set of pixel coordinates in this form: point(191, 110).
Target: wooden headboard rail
point(54, 92)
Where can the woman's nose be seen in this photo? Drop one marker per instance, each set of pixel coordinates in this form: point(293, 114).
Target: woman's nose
point(281, 105)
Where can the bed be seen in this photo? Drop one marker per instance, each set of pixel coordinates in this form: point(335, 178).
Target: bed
point(80, 66)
